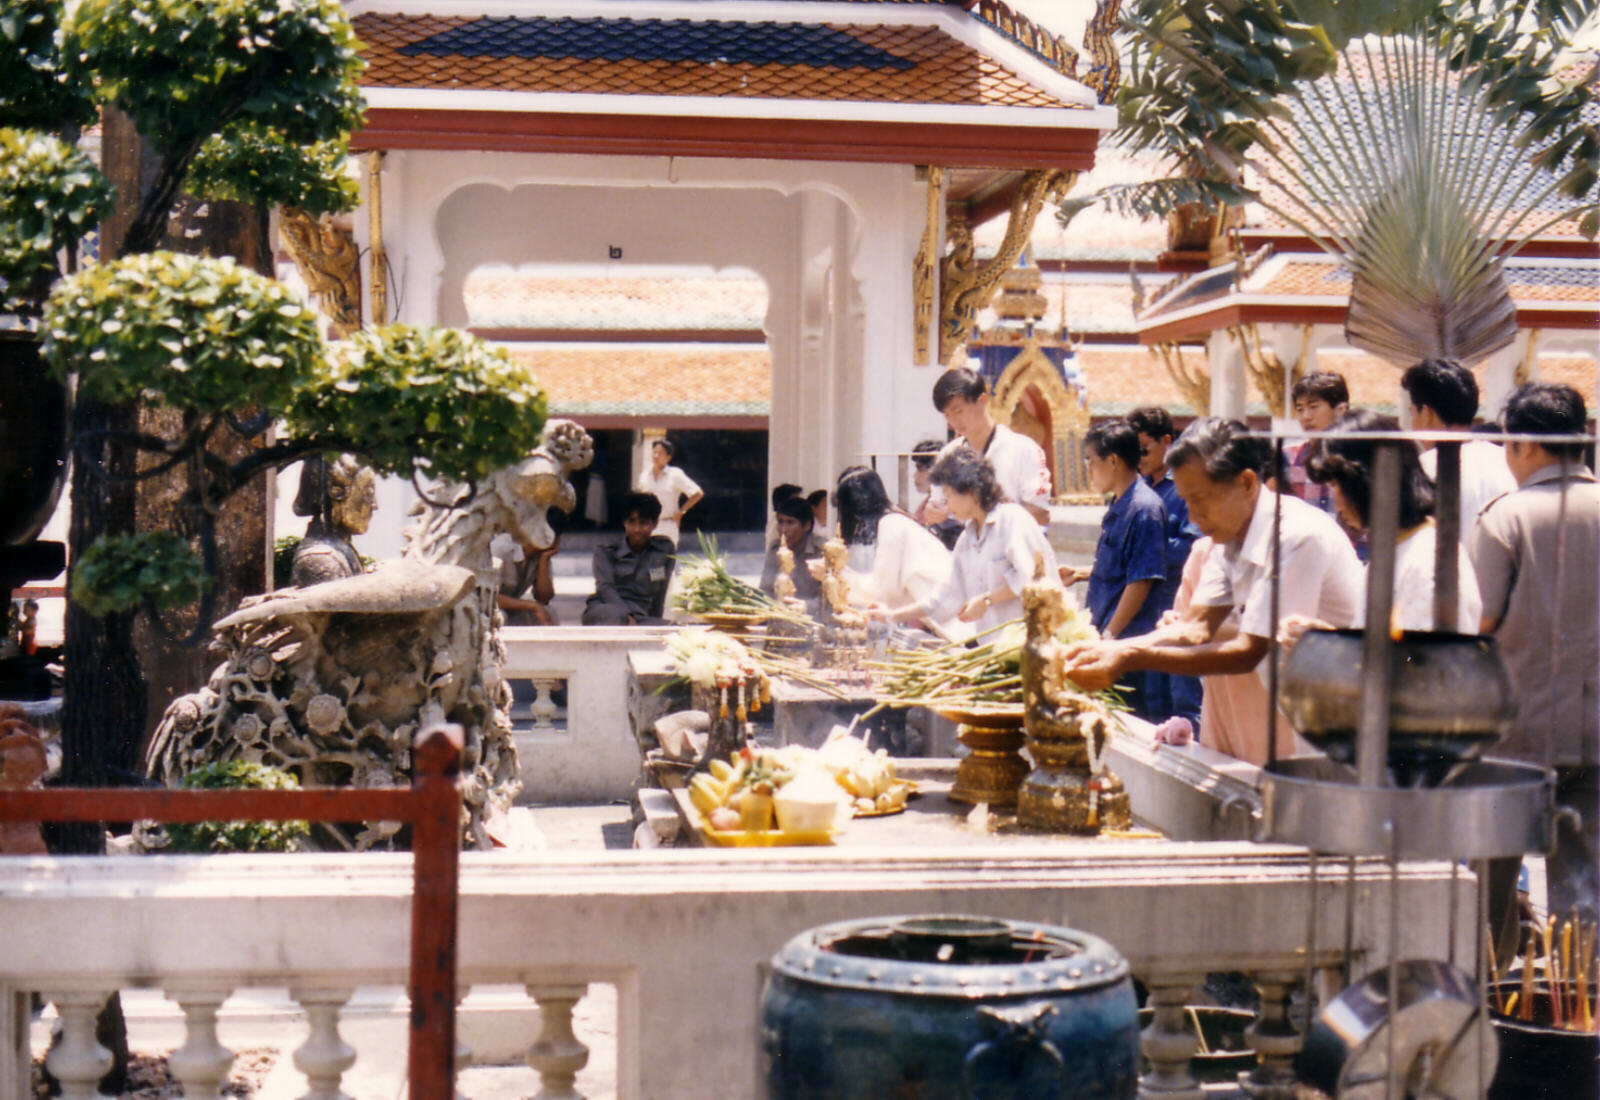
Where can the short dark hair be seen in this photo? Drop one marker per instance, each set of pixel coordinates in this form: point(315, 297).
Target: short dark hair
point(1346, 460)
point(644, 505)
point(862, 501)
point(816, 497)
point(1445, 386)
point(1115, 437)
point(1324, 384)
point(784, 491)
point(663, 441)
point(1153, 421)
point(796, 508)
point(967, 471)
point(1547, 408)
point(923, 453)
point(1224, 447)
point(958, 382)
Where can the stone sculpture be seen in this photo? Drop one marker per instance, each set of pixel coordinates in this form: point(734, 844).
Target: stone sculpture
point(340, 498)
point(842, 641)
point(333, 681)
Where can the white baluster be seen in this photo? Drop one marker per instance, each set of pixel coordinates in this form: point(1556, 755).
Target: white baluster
point(78, 1060)
point(1167, 1041)
point(1273, 1037)
point(202, 1063)
point(543, 707)
point(557, 1055)
point(324, 1056)
point(463, 1051)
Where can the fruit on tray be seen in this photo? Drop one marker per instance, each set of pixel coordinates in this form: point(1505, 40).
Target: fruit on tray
point(803, 788)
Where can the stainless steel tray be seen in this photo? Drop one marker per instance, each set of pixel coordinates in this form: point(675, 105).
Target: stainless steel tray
point(1493, 808)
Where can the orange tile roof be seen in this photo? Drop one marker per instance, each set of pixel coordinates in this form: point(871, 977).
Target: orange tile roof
point(921, 64)
point(651, 380)
point(1121, 379)
point(1530, 283)
point(506, 299)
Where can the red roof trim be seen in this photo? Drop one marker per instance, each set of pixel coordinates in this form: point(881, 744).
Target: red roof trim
point(1202, 324)
point(765, 138)
point(620, 335)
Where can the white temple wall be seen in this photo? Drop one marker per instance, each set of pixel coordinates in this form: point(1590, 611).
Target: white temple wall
point(834, 243)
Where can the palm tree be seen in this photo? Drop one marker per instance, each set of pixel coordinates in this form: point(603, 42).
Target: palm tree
point(1422, 143)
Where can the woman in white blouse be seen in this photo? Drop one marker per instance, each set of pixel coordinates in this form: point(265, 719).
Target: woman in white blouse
point(1345, 462)
point(994, 557)
point(909, 563)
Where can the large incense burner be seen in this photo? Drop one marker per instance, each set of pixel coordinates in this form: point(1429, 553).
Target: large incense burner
point(1070, 789)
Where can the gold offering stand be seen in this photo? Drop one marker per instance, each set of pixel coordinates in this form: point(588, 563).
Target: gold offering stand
point(1070, 790)
point(995, 767)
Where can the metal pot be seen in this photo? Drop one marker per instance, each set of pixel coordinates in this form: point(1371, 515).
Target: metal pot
point(1433, 1029)
point(1451, 699)
point(33, 439)
point(948, 1008)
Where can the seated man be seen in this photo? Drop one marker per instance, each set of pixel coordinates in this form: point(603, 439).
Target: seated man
point(631, 572)
point(526, 586)
point(1217, 471)
point(797, 531)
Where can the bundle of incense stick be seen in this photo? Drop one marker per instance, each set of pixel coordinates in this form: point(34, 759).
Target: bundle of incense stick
point(962, 675)
point(1561, 964)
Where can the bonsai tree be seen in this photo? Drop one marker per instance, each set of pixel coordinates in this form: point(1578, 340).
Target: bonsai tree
point(1422, 142)
point(246, 99)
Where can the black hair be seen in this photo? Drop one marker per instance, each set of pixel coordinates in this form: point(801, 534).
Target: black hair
point(1445, 386)
point(1115, 437)
point(645, 505)
point(1346, 460)
point(663, 441)
point(784, 491)
point(958, 382)
point(1547, 408)
point(1224, 447)
point(967, 471)
point(1323, 384)
point(924, 452)
point(797, 508)
point(861, 500)
point(1153, 421)
point(816, 497)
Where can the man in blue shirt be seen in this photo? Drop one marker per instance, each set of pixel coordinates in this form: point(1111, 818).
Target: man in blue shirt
point(1130, 559)
point(1172, 694)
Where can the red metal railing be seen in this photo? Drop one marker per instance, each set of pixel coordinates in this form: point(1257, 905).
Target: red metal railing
point(432, 805)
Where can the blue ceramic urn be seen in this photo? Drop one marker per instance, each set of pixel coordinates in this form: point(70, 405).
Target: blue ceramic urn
point(948, 1008)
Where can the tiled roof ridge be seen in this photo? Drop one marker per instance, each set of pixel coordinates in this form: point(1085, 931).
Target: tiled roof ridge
point(1053, 49)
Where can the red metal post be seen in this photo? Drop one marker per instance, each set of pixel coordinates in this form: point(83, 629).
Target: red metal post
point(436, 857)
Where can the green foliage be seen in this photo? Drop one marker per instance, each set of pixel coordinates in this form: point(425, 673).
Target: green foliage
point(121, 573)
point(202, 335)
point(425, 398)
point(1156, 198)
point(185, 69)
point(51, 195)
point(252, 164)
point(41, 88)
point(239, 836)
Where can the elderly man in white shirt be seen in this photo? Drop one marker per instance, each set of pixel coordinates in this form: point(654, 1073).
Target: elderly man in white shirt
point(1019, 463)
point(1218, 472)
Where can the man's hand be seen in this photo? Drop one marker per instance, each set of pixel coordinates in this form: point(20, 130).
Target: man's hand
point(1095, 666)
point(816, 567)
point(1072, 574)
point(974, 609)
point(935, 513)
point(1294, 627)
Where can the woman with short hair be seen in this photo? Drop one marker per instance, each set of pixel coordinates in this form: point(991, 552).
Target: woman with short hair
point(994, 557)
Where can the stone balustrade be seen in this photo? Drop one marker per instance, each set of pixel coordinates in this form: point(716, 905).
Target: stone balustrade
point(682, 935)
point(591, 755)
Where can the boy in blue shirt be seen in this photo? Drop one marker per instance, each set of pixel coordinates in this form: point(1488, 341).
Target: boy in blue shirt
point(1178, 695)
point(1130, 559)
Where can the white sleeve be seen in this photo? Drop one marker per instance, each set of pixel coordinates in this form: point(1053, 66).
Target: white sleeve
point(1305, 564)
point(685, 483)
point(1213, 589)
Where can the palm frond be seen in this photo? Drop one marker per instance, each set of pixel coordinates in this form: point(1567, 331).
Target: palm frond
point(1156, 198)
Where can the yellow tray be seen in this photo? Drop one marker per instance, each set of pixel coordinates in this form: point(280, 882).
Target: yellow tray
point(764, 838)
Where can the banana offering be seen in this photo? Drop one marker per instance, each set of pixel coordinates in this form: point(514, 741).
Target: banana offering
point(797, 783)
